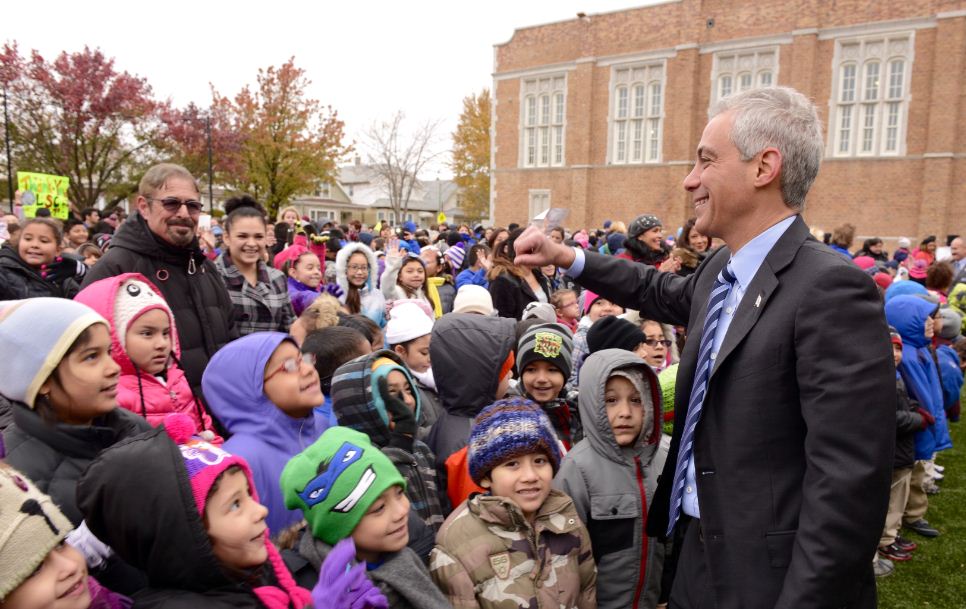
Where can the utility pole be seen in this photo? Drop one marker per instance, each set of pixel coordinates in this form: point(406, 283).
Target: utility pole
point(6, 133)
point(211, 197)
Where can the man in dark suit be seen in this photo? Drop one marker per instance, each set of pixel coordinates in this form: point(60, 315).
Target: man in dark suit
point(777, 481)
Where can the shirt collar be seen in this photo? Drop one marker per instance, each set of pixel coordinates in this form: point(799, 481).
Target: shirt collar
point(745, 262)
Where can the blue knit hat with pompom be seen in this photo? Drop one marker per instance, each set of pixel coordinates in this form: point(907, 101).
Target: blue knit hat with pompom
point(510, 428)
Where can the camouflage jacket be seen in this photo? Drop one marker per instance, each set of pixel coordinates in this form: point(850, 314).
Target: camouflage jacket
point(488, 556)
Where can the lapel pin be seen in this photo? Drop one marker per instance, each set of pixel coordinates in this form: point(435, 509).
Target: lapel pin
point(758, 302)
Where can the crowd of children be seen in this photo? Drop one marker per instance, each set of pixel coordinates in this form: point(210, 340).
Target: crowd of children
point(405, 418)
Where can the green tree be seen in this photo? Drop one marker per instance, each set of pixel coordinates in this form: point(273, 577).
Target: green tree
point(471, 155)
point(291, 143)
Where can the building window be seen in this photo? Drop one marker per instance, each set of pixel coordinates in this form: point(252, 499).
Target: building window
point(325, 191)
point(637, 94)
point(870, 93)
point(543, 116)
point(322, 215)
point(539, 202)
point(735, 71)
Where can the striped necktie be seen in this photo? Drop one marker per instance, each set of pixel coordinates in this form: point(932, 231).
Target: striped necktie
point(703, 371)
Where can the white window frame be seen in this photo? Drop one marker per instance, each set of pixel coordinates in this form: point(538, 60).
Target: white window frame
point(538, 201)
point(324, 215)
point(636, 113)
point(737, 70)
point(868, 108)
point(543, 121)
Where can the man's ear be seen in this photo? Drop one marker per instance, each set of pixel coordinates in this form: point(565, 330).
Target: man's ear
point(769, 167)
point(142, 204)
point(486, 483)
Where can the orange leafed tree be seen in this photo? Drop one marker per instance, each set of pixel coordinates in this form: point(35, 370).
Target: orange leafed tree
point(471, 155)
point(291, 144)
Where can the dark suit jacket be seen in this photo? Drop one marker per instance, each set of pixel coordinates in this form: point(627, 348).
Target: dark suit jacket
point(793, 452)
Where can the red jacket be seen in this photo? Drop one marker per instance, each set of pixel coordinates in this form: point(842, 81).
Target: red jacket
point(138, 391)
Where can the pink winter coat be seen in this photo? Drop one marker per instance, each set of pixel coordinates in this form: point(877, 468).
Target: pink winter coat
point(137, 390)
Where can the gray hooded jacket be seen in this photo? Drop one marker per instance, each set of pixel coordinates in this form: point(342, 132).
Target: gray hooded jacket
point(612, 487)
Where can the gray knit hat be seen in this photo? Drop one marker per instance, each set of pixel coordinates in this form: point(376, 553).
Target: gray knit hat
point(39, 331)
point(552, 343)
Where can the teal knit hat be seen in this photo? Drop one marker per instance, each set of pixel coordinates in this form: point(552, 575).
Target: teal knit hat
point(335, 480)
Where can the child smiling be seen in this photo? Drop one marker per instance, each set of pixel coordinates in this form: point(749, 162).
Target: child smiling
point(522, 544)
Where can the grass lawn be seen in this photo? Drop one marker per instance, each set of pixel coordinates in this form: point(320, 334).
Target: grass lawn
point(936, 576)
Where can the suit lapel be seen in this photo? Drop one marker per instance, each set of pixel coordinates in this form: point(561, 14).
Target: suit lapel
point(762, 286)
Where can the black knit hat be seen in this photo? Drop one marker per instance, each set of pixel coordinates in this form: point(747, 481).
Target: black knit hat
point(642, 224)
point(613, 333)
point(548, 342)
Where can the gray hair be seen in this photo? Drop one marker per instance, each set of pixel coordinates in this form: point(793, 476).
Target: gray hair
point(158, 175)
point(783, 118)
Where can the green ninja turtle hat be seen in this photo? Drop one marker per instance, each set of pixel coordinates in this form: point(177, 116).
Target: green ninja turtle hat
point(335, 480)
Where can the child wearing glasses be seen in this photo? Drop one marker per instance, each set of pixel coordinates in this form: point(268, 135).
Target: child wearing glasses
point(544, 358)
point(656, 345)
point(356, 272)
point(144, 343)
point(612, 475)
point(265, 392)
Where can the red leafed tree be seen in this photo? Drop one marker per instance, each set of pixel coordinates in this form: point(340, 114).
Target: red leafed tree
point(78, 116)
point(184, 139)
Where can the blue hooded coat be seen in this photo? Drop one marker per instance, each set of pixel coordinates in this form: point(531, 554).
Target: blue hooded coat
point(908, 315)
point(261, 433)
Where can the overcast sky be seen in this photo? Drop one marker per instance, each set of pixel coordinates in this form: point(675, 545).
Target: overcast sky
point(366, 58)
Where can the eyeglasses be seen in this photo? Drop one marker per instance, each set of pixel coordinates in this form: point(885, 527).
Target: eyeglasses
point(358, 268)
point(292, 365)
point(653, 342)
point(173, 205)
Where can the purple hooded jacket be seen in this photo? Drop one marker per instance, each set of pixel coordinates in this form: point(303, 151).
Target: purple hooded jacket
point(261, 433)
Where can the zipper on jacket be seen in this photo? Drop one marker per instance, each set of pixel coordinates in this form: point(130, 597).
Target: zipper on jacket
point(643, 566)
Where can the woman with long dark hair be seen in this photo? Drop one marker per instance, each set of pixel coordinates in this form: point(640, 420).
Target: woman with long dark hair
point(513, 286)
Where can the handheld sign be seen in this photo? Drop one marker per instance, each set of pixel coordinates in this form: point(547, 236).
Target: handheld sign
point(44, 190)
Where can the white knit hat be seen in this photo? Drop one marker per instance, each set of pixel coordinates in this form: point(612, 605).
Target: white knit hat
point(133, 299)
point(407, 321)
point(473, 299)
point(35, 333)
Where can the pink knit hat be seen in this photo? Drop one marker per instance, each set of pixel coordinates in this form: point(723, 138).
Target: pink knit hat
point(204, 461)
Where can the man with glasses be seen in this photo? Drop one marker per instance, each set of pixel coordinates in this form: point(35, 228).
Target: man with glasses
point(160, 242)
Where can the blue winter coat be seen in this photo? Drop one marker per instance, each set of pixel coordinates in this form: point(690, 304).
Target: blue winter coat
point(950, 375)
point(908, 315)
point(261, 433)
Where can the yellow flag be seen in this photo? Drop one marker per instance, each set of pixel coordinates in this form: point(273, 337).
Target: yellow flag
point(377, 227)
point(440, 218)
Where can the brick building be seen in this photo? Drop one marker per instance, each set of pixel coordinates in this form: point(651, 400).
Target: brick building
point(601, 114)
